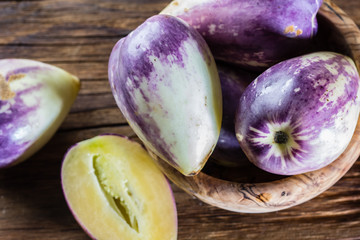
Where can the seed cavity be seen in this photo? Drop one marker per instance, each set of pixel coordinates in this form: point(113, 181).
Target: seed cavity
point(15, 77)
point(117, 190)
point(5, 91)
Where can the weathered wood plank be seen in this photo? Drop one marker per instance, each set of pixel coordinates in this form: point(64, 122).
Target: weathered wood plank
point(87, 71)
point(92, 102)
point(95, 118)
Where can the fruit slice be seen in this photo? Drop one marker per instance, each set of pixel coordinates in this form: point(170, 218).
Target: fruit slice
point(115, 191)
point(34, 100)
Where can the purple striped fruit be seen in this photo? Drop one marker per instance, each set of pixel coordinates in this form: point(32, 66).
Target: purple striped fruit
point(300, 114)
point(165, 82)
point(115, 191)
point(34, 100)
point(233, 83)
point(254, 34)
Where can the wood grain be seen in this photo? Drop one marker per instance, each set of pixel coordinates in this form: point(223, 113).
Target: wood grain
point(78, 36)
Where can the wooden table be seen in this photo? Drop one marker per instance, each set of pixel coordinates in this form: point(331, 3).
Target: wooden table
point(78, 36)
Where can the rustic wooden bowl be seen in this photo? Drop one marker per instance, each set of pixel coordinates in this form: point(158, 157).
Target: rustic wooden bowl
point(251, 190)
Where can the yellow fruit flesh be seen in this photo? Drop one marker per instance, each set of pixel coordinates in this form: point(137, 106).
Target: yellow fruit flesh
point(116, 191)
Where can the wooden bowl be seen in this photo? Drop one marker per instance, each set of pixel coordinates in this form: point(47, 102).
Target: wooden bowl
point(248, 189)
